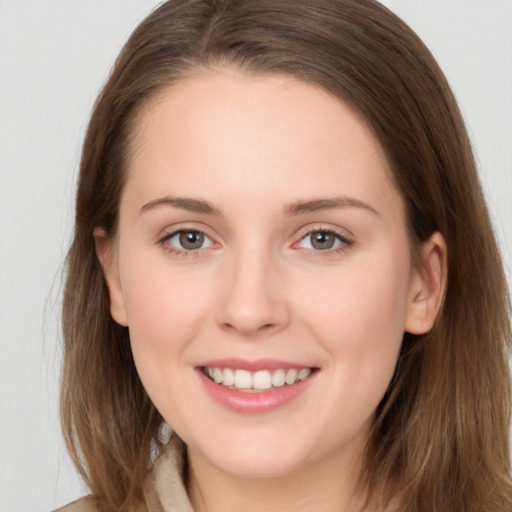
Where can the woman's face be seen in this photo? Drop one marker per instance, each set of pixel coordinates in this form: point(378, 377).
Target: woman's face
point(262, 242)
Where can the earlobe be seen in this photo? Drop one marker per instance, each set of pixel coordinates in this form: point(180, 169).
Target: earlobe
point(428, 286)
point(106, 256)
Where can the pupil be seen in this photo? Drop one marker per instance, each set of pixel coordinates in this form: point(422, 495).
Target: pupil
point(322, 240)
point(191, 240)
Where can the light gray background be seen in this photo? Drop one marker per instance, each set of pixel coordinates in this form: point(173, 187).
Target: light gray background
point(54, 55)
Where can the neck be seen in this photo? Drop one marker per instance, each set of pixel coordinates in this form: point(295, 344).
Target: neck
point(331, 484)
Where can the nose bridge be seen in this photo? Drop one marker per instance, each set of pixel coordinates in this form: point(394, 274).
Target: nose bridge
point(253, 300)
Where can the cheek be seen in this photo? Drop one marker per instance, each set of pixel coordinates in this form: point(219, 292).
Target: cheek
point(362, 301)
point(360, 323)
point(164, 311)
point(164, 317)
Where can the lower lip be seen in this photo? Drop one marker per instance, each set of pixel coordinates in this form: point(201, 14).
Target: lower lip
point(256, 402)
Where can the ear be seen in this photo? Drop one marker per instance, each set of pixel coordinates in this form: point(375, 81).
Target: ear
point(428, 285)
point(107, 256)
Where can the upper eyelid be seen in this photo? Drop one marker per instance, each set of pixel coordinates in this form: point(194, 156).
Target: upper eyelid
point(337, 230)
point(167, 235)
point(325, 230)
point(177, 228)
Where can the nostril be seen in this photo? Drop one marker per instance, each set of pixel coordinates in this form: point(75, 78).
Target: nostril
point(249, 330)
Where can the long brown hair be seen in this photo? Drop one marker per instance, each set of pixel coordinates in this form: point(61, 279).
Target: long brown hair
point(440, 441)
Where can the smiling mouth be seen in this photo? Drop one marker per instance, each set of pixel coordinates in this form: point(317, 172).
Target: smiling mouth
point(254, 382)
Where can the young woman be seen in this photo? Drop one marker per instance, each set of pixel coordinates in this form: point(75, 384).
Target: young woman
point(282, 253)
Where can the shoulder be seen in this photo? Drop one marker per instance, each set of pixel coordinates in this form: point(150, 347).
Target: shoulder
point(85, 504)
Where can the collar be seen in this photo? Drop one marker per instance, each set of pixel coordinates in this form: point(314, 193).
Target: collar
point(165, 491)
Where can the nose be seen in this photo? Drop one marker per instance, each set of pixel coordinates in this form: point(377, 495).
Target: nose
point(253, 301)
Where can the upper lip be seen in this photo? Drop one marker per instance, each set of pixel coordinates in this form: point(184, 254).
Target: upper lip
point(252, 366)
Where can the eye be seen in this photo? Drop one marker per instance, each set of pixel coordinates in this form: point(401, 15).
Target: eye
point(186, 240)
point(323, 240)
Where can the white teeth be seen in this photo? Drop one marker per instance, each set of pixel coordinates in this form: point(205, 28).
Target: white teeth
point(291, 376)
point(243, 379)
point(278, 378)
point(304, 373)
point(217, 375)
point(260, 380)
point(229, 377)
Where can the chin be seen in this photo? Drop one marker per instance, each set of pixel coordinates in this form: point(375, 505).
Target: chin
point(260, 466)
point(255, 456)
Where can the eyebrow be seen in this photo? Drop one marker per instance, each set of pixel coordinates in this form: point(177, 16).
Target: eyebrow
point(296, 208)
point(315, 205)
point(184, 203)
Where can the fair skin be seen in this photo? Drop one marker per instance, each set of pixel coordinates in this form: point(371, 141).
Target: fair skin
point(259, 229)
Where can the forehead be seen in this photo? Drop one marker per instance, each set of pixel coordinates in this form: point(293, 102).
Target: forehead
point(263, 134)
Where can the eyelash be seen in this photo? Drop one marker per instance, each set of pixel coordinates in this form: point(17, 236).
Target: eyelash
point(344, 243)
point(182, 253)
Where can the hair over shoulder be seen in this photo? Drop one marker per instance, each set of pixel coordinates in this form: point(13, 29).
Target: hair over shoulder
point(440, 441)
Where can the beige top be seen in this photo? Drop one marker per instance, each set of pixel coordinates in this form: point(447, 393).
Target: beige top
point(164, 491)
